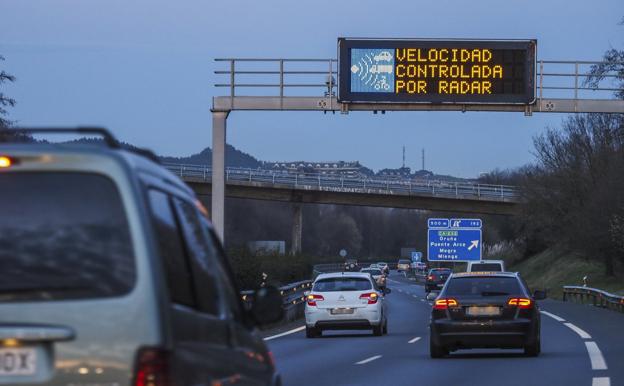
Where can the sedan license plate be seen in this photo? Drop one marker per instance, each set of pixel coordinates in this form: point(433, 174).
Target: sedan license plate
point(483, 311)
point(341, 311)
point(18, 361)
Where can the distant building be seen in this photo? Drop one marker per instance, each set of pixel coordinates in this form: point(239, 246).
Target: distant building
point(404, 172)
point(338, 168)
point(266, 247)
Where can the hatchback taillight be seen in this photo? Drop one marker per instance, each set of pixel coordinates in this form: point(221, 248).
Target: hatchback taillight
point(371, 297)
point(522, 303)
point(313, 298)
point(444, 303)
point(430, 277)
point(152, 368)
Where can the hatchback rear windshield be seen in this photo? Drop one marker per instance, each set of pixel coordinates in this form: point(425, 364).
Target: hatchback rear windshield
point(486, 267)
point(342, 284)
point(372, 271)
point(483, 286)
point(404, 261)
point(63, 236)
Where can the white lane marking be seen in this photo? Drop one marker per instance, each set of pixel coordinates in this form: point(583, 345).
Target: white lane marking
point(285, 333)
point(557, 318)
point(601, 381)
point(422, 300)
point(400, 290)
point(415, 296)
point(368, 360)
point(578, 330)
point(414, 340)
point(595, 356)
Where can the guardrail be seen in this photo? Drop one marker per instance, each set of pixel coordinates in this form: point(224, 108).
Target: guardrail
point(348, 184)
point(594, 296)
point(293, 298)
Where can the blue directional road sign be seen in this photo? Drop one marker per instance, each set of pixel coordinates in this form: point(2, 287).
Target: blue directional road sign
point(416, 256)
point(454, 240)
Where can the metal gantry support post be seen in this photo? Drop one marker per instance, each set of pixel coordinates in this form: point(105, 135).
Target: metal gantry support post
point(297, 228)
point(219, 119)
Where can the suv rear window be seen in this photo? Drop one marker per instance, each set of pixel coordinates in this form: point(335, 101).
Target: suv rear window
point(483, 286)
point(405, 261)
point(335, 284)
point(63, 236)
point(486, 267)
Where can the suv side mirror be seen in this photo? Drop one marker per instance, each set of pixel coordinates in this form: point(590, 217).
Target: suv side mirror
point(539, 295)
point(267, 306)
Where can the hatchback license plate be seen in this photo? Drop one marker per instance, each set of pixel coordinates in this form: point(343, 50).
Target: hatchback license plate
point(18, 361)
point(341, 311)
point(483, 311)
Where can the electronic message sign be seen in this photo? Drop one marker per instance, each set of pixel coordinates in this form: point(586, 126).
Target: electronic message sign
point(436, 71)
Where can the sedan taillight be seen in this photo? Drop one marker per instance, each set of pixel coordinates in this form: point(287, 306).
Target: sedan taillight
point(313, 298)
point(371, 297)
point(445, 303)
point(522, 303)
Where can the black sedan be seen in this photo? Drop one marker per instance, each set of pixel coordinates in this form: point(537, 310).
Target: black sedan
point(436, 278)
point(485, 310)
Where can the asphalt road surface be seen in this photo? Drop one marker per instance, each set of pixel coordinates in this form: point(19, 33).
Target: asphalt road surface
point(581, 345)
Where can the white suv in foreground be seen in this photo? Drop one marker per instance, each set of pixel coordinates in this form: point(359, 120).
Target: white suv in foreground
point(345, 301)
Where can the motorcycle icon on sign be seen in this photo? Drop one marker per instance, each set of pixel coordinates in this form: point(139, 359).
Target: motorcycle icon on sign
point(382, 84)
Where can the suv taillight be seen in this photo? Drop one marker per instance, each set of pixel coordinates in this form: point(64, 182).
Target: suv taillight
point(371, 297)
point(430, 277)
point(313, 298)
point(444, 303)
point(522, 303)
point(152, 368)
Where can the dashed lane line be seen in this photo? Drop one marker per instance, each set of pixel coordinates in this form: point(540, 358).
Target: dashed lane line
point(557, 318)
point(368, 360)
point(578, 330)
point(595, 356)
point(601, 381)
point(414, 340)
point(286, 333)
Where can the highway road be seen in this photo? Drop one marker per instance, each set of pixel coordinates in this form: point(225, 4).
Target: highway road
point(581, 345)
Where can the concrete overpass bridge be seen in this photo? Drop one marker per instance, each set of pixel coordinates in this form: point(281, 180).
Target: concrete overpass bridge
point(435, 195)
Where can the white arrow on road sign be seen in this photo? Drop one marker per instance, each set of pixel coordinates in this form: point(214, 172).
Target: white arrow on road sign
point(473, 244)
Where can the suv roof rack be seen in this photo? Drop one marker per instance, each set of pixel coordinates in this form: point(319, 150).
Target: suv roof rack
point(107, 137)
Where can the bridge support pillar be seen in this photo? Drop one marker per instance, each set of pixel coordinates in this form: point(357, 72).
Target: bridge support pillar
point(217, 211)
point(297, 228)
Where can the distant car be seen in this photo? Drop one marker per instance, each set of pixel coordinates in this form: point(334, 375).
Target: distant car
point(350, 265)
point(345, 301)
point(113, 275)
point(384, 267)
point(378, 276)
point(418, 266)
point(404, 265)
point(374, 265)
point(436, 278)
point(486, 266)
point(485, 310)
point(383, 56)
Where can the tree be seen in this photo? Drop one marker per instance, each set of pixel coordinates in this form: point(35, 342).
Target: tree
point(612, 65)
point(5, 101)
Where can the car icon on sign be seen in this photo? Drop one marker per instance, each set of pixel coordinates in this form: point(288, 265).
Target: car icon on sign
point(383, 56)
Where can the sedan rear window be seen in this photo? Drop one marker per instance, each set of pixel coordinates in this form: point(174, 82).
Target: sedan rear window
point(374, 272)
point(63, 236)
point(483, 286)
point(342, 284)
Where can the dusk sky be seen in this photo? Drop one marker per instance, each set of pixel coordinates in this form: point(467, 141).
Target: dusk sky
point(144, 69)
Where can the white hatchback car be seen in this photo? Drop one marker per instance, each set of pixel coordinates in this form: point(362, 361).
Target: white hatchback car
point(345, 301)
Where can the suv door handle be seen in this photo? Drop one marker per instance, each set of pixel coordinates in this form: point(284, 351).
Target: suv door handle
point(36, 333)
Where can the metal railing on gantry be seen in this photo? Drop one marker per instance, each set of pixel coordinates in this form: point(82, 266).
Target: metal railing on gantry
point(311, 84)
point(346, 184)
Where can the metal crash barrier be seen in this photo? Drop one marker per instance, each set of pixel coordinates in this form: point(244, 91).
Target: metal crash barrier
point(593, 296)
point(293, 298)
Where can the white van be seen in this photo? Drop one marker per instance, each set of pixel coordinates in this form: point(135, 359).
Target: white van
point(486, 266)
